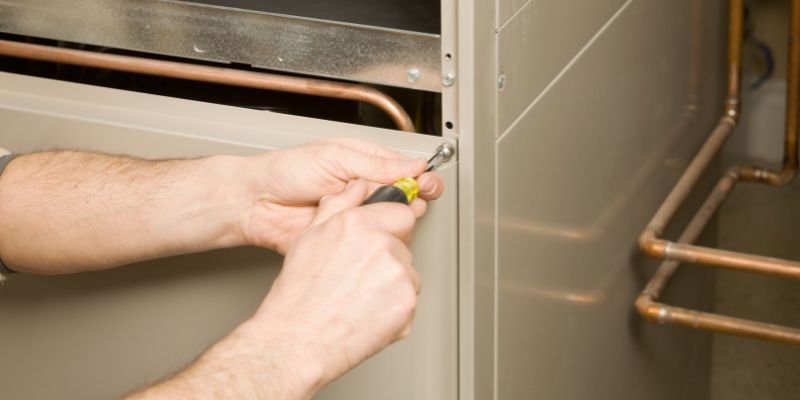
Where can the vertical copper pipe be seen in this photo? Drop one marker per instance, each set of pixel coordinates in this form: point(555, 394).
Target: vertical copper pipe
point(687, 181)
point(648, 240)
point(790, 143)
point(793, 90)
point(735, 36)
point(202, 73)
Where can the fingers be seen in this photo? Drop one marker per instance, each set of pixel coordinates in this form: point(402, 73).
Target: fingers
point(419, 207)
point(402, 253)
point(352, 196)
point(368, 148)
point(357, 159)
point(352, 164)
point(395, 218)
point(431, 186)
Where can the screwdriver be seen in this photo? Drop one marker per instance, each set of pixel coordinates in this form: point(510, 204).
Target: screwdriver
point(405, 190)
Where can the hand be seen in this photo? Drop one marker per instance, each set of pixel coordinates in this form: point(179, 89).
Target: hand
point(287, 185)
point(347, 288)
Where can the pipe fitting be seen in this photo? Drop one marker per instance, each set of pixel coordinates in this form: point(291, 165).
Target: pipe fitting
point(653, 246)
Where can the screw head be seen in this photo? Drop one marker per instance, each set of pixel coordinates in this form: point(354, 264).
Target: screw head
point(447, 150)
point(448, 79)
point(501, 81)
point(413, 75)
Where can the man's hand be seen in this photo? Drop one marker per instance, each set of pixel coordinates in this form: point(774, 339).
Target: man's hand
point(346, 291)
point(347, 288)
point(67, 212)
point(286, 185)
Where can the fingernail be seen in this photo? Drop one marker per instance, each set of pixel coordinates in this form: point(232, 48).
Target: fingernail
point(433, 188)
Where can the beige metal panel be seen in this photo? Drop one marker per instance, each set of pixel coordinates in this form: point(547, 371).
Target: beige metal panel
point(475, 126)
point(507, 8)
point(538, 43)
point(450, 54)
point(97, 335)
point(578, 176)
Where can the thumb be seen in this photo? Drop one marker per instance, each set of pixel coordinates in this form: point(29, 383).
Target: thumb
point(352, 196)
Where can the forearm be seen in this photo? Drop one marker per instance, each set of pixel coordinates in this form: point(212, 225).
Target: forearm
point(245, 365)
point(64, 212)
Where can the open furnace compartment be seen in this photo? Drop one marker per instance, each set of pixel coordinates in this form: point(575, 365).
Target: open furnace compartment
point(390, 47)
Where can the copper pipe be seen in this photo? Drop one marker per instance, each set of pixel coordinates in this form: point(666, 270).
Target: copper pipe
point(662, 313)
point(225, 76)
point(648, 307)
point(790, 145)
point(735, 36)
point(682, 189)
point(683, 250)
point(733, 260)
point(724, 128)
point(692, 232)
point(649, 240)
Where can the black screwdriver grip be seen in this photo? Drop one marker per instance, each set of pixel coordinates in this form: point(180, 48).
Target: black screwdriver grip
point(386, 193)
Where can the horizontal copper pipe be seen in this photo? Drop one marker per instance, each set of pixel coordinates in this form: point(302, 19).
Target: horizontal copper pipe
point(649, 308)
point(662, 313)
point(733, 260)
point(202, 73)
point(684, 252)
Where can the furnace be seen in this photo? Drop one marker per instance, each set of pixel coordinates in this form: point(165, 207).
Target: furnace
point(571, 121)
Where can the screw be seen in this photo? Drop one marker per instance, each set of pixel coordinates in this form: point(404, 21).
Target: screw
point(449, 79)
point(501, 81)
point(413, 75)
